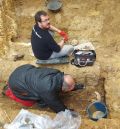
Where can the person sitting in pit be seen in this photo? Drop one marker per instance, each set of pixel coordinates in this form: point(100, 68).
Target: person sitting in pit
point(43, 44)
point(28, 85)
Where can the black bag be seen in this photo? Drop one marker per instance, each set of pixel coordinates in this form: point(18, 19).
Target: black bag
point(83, 58)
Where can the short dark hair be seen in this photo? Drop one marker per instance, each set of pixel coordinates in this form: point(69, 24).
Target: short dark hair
point(39, 14)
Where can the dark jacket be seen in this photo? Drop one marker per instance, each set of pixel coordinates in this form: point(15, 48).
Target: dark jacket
point(28, 82)
point(43, 44)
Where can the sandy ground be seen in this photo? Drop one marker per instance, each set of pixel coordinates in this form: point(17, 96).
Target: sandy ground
point(78, 100)
point(97, 21)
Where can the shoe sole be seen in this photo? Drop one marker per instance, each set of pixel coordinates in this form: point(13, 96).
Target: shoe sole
point(4, 90)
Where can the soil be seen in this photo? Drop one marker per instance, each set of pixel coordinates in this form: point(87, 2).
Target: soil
point(96, 21)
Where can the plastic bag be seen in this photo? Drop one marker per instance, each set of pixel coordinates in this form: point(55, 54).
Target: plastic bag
point(85, 45)
point(67, 120)
point(27, 120)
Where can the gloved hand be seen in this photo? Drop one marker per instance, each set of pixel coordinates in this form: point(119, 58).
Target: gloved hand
point(73, 113)
point(64, 35)
point(79, 87)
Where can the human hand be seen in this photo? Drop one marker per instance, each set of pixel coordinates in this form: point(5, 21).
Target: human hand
point(74, 113)
point(64, 35)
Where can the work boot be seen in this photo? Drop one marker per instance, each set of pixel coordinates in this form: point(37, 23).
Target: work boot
point(4, 90)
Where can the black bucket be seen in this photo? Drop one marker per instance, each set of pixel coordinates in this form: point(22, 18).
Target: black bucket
point(54, 5)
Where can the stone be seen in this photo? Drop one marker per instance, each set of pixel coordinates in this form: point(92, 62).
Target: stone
point(74, 42)
point(18, 57)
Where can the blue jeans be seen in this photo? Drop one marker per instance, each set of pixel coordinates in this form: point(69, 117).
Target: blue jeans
point(65, 51)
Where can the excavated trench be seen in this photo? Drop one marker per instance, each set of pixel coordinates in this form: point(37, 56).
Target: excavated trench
point(24, 11)
point(82, 20)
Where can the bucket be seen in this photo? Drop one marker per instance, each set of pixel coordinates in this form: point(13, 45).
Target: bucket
point(54, 5)
point(97, 110)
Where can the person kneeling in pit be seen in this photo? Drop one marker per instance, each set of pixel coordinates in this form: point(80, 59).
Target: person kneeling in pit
point(29, 85)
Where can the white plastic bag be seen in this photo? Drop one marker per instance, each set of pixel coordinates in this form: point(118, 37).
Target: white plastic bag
point(65, 120)
point(84, 45)
point(27, 120)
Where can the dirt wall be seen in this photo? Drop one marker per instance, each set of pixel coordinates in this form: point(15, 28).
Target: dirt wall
point(8, 26)
point(97, 21)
